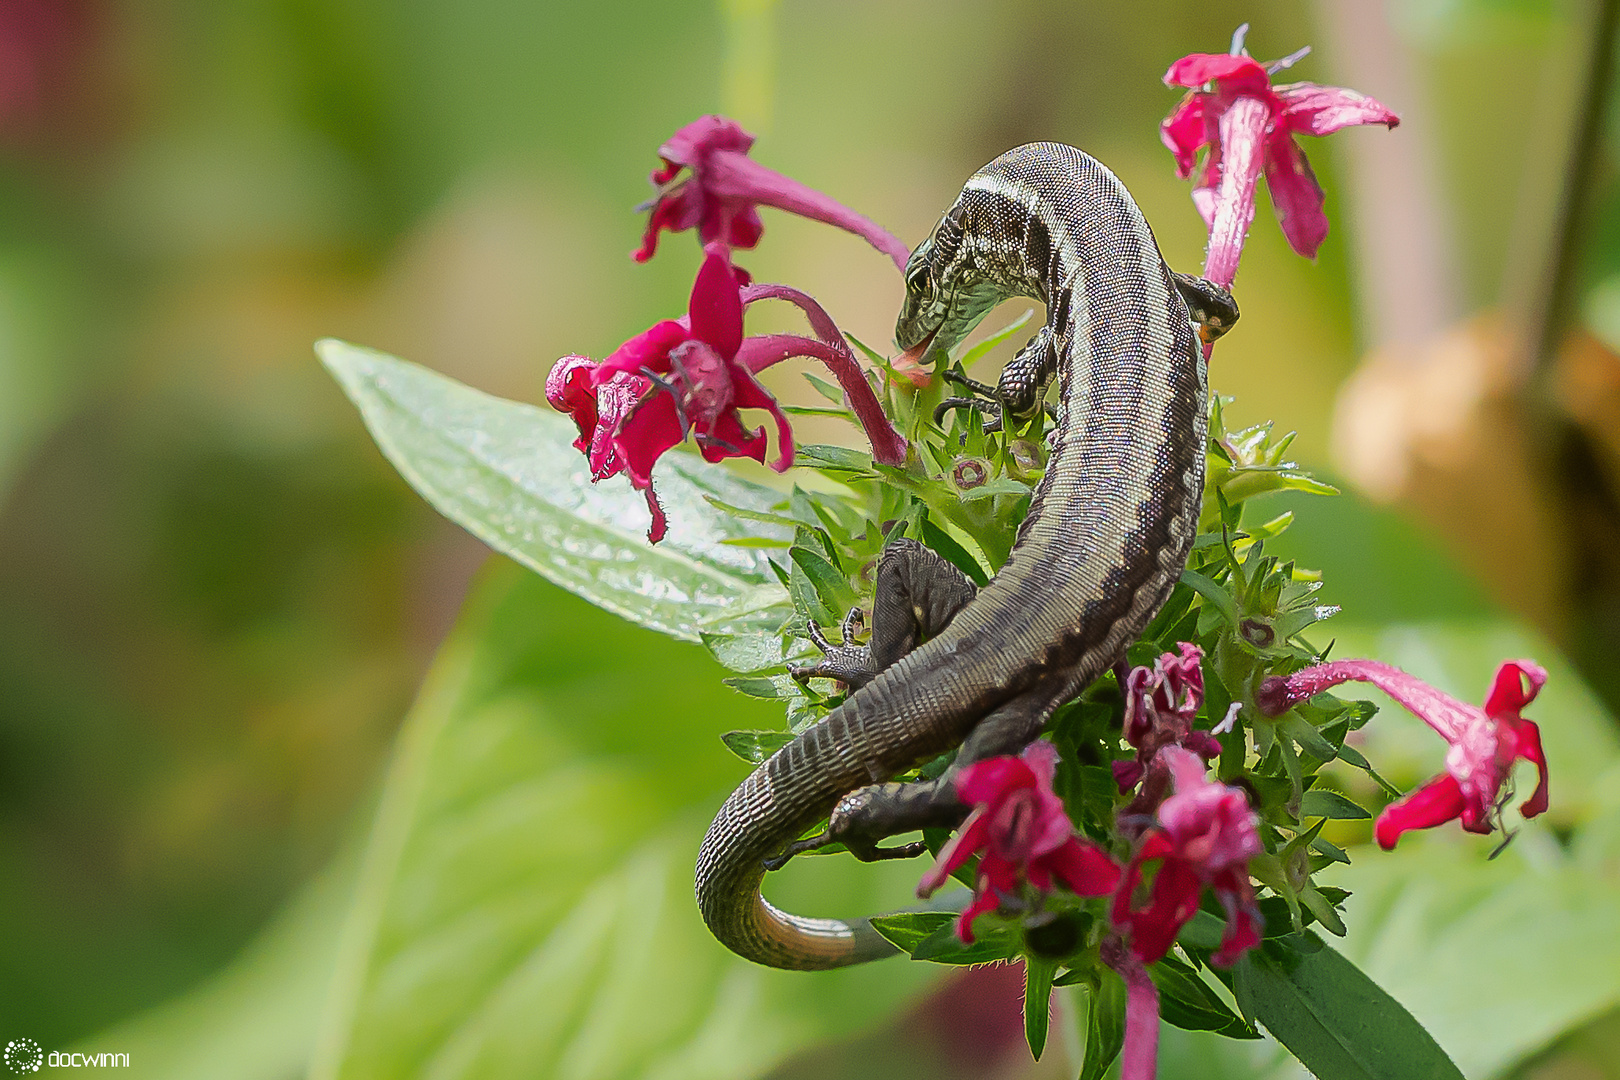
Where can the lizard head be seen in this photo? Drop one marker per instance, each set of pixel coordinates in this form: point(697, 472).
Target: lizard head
point(946, 294)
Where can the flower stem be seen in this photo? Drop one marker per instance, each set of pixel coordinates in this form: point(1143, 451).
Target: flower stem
point(739, 176)
point(759, 353)
point(1140, 1059)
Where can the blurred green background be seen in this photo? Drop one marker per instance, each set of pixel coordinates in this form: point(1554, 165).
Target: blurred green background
point(217, 601)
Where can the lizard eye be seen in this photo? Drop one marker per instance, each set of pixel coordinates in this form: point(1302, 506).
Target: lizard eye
point(917, 274)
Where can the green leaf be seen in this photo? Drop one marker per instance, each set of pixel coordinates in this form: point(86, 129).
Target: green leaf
point(1003, 486)
point(1189, 1003)
point(1105, 1025)
point(973, 355)
point(770, 688)
point(834, 394)
point(1037, 1002)
point(1320, 802)
point(944, 544)
point(837, 459)
point(831, 585)
point(1335, 1020)
point(784, 524)
point(525, 903)
point(755, 746)
point(509, 474)
point(943, 946)
point(908, 929)
point(746, 652)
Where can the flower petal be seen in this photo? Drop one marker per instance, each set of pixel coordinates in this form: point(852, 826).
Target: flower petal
point(1242, 136)
point(1509, 692)
point(716, 305)
point(751, 395)
point(1235, 72)
point(1295, 195)
point(702, 137)
point(1183, 134)
point(569, 390)
point(1435, 803)
point(737, 177)
point(726, 437)
point(983, 902)
point(1243, 918)
point(985, 782)
point(650, 430)
point(1175, 901)
point(958, 850)
point(616, 401)
point(1529, 736)
point(1084, 867)
point(649, 349)
point(1310, 109)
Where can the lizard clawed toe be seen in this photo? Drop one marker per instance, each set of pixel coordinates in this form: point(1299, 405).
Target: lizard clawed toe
point(848, 662)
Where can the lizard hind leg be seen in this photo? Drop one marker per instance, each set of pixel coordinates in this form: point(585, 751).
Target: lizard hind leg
point(872, 814)
point(917, 594)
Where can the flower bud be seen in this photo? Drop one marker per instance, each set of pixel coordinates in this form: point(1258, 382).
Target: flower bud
point(968, 473)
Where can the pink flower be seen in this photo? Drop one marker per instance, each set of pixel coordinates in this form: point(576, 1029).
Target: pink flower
point(692, 374)
point(1485, 743)
point(1206, 836)
point(1248, 126)
point(1024, 834)
point(1161, 704)
point(723, 188)
point(679, 375)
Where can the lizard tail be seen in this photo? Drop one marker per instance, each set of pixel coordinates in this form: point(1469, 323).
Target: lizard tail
point(752, 826)
point(758, 820)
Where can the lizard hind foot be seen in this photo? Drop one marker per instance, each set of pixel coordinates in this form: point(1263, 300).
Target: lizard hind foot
point(847, 662)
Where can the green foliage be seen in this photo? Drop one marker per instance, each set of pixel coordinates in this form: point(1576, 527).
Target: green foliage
point(630, 831)
point(1334, 1019)
point(525, 904)
point(1104, 1024)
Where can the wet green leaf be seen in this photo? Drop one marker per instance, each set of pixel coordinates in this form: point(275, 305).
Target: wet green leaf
point(510, 475)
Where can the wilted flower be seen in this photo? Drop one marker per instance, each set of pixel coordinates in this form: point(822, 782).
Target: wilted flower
point(1161, 704)
point(1485, 743)
point(1019, 826)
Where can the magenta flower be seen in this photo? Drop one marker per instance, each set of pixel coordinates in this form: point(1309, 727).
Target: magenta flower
point(691, 375)
point(678, 375)
point(1019, 825)
point(1161, 704)
point(1206, 836)
point(1485, 743)
point(723, 189)
point(1248, 126)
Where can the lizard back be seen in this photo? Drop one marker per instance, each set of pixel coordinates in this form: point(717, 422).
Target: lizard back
point(1108, 531)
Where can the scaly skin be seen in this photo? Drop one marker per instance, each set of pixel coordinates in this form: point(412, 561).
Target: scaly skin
point(1107, 535)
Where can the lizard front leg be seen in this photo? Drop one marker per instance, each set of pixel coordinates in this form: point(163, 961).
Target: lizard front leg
point(917, 594)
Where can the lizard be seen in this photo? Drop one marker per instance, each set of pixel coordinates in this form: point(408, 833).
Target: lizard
point(1107, 534)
